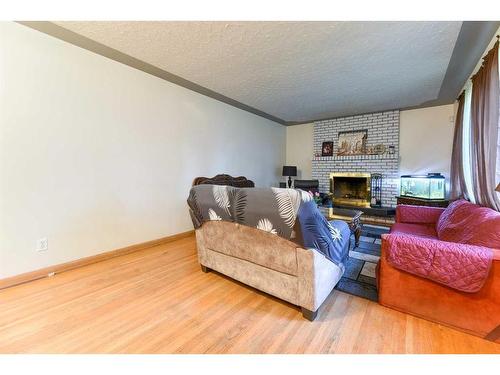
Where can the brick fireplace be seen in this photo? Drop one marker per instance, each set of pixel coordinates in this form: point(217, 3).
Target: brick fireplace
point(383, 128)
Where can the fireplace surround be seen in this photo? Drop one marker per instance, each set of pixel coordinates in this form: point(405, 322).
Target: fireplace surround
point(350, 189)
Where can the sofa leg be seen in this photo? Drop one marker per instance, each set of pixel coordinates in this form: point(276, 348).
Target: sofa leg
point(308, 314)
point(205, 269)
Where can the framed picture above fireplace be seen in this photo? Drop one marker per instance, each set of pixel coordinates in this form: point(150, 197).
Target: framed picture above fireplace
point(352, 142)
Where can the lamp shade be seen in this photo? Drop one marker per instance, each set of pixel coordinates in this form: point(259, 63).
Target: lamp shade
point(289, 170)
point(498, 188)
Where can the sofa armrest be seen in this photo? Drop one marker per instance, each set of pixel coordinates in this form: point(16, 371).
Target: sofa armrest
point(459, 266)
point(317, 276)
point(496, 255)
point(417, 214)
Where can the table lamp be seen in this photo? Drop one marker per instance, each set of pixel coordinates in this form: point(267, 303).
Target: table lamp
point(289, 170)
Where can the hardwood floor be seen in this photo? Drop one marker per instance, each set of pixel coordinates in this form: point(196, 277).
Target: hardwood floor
point(157, 300)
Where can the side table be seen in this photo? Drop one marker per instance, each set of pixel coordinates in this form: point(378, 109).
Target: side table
point(351, 217)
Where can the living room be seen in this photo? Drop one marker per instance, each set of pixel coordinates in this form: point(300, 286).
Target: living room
point(249, 186)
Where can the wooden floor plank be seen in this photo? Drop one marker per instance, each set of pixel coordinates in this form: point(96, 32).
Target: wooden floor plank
point(157, 300)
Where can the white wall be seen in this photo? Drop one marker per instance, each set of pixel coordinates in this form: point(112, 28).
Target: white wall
point(300, 149)
point(96, 155)
point(426, 138)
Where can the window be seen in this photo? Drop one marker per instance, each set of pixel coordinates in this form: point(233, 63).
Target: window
point(466, 145)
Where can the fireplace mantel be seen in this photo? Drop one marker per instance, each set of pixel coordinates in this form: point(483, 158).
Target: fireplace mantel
point(350, 158)
point(383, 128)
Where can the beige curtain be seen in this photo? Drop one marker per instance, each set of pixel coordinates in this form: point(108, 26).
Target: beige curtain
point(484, 130)
point(457, 178)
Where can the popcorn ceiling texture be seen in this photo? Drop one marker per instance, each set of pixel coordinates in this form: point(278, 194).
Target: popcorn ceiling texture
point(383, 128)
point(297, 71)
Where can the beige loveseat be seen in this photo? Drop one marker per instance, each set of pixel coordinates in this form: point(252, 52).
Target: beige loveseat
point(303, 277)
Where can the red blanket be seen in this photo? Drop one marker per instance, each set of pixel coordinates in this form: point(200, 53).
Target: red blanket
point(460, 266)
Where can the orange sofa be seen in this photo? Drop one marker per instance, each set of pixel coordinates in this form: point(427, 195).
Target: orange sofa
point(476, 313)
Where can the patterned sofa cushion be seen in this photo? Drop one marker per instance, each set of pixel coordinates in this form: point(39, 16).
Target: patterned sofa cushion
point(329, 237)
point(211, 202)
point(270, 209)
point(273, 210)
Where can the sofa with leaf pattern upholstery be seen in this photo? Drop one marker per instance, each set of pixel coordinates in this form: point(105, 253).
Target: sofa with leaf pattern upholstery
point(274, 240)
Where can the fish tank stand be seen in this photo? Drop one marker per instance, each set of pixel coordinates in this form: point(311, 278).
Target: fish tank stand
point(412, 201)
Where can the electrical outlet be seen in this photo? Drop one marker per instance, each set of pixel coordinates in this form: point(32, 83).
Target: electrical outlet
point(42, 244)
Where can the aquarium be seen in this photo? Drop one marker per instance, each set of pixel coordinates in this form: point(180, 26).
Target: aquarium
point(425, 187)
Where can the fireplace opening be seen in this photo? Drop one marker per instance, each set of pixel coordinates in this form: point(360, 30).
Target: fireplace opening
point(350, 189)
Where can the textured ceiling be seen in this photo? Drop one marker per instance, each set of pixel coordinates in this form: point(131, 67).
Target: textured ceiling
point(296, 71)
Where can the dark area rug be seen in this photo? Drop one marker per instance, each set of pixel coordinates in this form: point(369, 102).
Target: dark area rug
point(359, 276)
